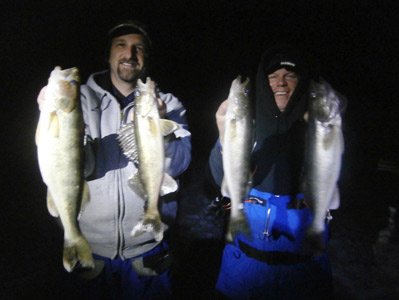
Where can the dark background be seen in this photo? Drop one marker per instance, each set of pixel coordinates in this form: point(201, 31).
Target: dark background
point(199, 48)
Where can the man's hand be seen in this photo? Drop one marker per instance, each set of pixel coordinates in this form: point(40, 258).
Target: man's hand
point(220, 119)
point(161, 108)
point(306, 116)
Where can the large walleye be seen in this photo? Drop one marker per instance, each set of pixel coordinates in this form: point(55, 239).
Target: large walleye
point(59, 140)
point(237, 144)
point(143, 143)
point(324, 148)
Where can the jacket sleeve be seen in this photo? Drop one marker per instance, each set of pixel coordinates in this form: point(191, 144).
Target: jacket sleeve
point(216, 164)
point(89, 144)
point(178, 151)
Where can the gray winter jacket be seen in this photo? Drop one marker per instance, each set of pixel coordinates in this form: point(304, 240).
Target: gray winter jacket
point(114, 208)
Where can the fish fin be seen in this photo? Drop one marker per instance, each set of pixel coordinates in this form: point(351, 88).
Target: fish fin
point(151, 224)
point(169, 185)
point(224, 189)
point(135, 184)
point(314, 241)
point(54, 126)
point(335, 199)
point(37, 136)
point(168, 126)
point(127, 140)
point(85, 197)
point(249, 183)
point(238, 225)
point(51, 205)
point(77, 253)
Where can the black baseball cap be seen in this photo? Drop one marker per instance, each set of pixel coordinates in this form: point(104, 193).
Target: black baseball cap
point(128, 27)
point(280, 61)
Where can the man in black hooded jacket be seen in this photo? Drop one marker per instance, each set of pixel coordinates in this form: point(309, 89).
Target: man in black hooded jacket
point(273, 265)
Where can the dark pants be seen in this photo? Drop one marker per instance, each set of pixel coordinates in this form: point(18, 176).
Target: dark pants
point(119, 281)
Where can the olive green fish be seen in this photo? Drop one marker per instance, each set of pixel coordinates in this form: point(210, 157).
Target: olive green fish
point(237, 144)
point(143, 142)
point(324, 148)
point(59, 140)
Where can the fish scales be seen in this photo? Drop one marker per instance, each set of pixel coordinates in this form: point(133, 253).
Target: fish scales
point(237, 144)
point(324, 148)
point(59, 139)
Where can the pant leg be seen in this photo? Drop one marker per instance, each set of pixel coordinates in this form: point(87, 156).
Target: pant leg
point(243, 278)
point(145, 287)
point(119, 281)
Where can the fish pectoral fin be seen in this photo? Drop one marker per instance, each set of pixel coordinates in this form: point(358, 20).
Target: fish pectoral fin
point(135, 184)
point(54, 125)
point(335, 199)
point(85, 197)
point(51, 205)
point(168, 186)
point(37, 136)
point(168, 126)
point(224, 189)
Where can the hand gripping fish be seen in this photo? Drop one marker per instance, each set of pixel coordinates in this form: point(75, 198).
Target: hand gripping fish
point(237, 144)
point(324, 148)
point(142, 142)
point(59, 140)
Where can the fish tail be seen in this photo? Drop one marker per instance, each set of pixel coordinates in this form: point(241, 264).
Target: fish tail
point(238, 225)
point(149, 224)
point(77, 252)
point(314, 241)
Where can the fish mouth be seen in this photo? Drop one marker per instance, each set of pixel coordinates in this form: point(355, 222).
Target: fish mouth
point(327, 109)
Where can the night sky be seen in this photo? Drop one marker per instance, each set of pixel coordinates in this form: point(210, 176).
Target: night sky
point(199, 48)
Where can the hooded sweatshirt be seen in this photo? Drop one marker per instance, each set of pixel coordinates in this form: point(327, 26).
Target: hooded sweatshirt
point(114, 208)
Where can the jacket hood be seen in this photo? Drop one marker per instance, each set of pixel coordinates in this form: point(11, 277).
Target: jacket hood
point(266, 108)
point(278, 154)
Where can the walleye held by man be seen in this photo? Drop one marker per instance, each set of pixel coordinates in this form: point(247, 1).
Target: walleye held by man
point(324, 149)
point(237, 144)
point(59, 140)
point(142, 141)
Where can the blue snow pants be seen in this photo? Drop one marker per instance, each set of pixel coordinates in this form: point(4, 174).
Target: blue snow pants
point(119, 281)
point(272, 264)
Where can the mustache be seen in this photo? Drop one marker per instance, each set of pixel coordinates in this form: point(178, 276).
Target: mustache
point(129, 61)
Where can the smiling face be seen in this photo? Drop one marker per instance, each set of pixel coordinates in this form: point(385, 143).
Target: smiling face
point(127, 59)
point(283, 84)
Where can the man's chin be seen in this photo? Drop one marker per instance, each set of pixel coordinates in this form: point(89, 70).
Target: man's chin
point(131, 77)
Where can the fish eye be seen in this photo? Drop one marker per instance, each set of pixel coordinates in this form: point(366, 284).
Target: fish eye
point(136, 93)
point(313, 94)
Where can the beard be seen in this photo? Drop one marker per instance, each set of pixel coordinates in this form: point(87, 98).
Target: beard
point(131, 75)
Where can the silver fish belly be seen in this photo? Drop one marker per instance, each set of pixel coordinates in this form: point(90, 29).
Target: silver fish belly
point(59, 139)
point(237, 144)
point(324, 148)
point(143, 143)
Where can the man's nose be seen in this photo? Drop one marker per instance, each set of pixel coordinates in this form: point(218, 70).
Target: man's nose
point(132, 52)
point(281, 81)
